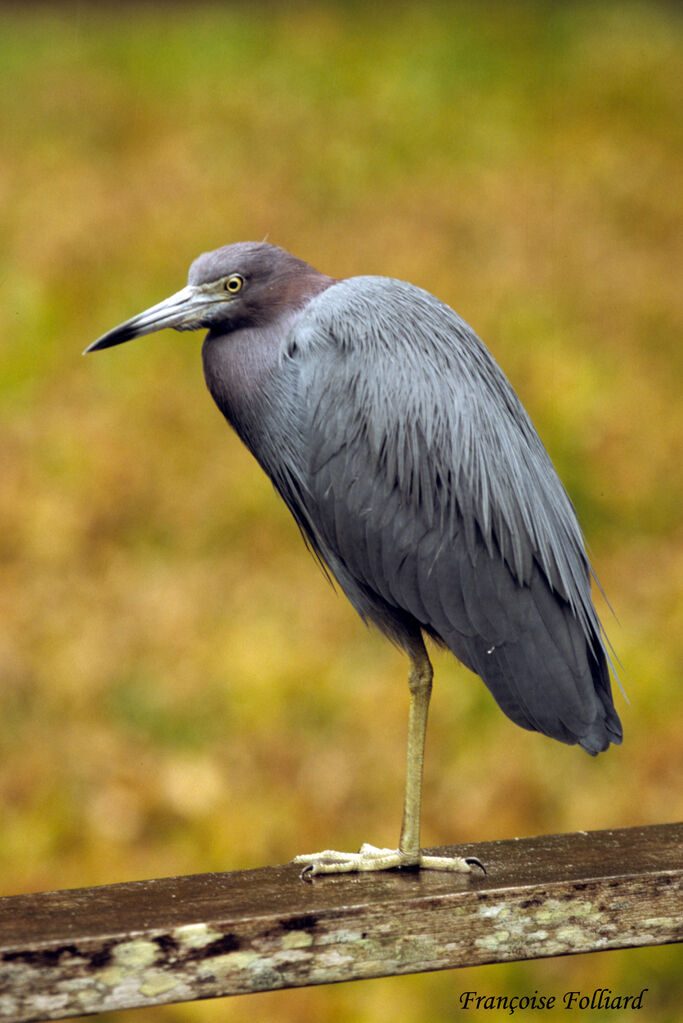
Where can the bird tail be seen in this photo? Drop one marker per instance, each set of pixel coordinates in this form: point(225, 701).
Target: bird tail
point(566, 698)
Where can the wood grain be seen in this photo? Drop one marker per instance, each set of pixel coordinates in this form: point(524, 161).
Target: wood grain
point(144, 943)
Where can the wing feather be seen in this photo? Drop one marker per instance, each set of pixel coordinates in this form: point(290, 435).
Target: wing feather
point(431, 498)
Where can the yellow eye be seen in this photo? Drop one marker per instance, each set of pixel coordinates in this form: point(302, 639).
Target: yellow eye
point(234, 284)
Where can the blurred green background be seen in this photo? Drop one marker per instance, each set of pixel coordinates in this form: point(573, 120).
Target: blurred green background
point(180, 688)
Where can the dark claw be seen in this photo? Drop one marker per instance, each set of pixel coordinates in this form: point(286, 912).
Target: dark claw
point(476, 862)
point(307, 874)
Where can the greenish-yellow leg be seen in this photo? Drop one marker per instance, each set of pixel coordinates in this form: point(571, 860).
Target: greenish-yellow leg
point(408, 853)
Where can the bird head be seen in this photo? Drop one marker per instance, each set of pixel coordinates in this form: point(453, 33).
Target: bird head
point(245, 284)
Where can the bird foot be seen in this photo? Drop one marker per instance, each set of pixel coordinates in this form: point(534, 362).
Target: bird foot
point(370, 857)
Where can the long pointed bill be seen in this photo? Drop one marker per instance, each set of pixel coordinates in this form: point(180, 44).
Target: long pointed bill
point(183, 311)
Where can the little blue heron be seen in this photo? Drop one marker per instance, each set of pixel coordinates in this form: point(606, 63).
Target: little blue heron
point(417, 478)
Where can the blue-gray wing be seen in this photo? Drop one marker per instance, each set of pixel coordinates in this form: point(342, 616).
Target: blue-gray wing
point(427, 491)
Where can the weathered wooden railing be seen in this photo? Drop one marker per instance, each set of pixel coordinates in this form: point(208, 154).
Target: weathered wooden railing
point(92, 950)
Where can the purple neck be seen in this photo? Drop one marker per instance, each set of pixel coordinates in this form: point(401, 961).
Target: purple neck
point(240, 366)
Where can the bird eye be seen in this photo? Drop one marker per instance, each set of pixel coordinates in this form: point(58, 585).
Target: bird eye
point(234, 284)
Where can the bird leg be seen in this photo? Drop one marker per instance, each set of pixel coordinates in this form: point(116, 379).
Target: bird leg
point(408, 854)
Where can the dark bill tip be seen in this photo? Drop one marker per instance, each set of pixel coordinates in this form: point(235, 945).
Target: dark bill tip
point(111, 338)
